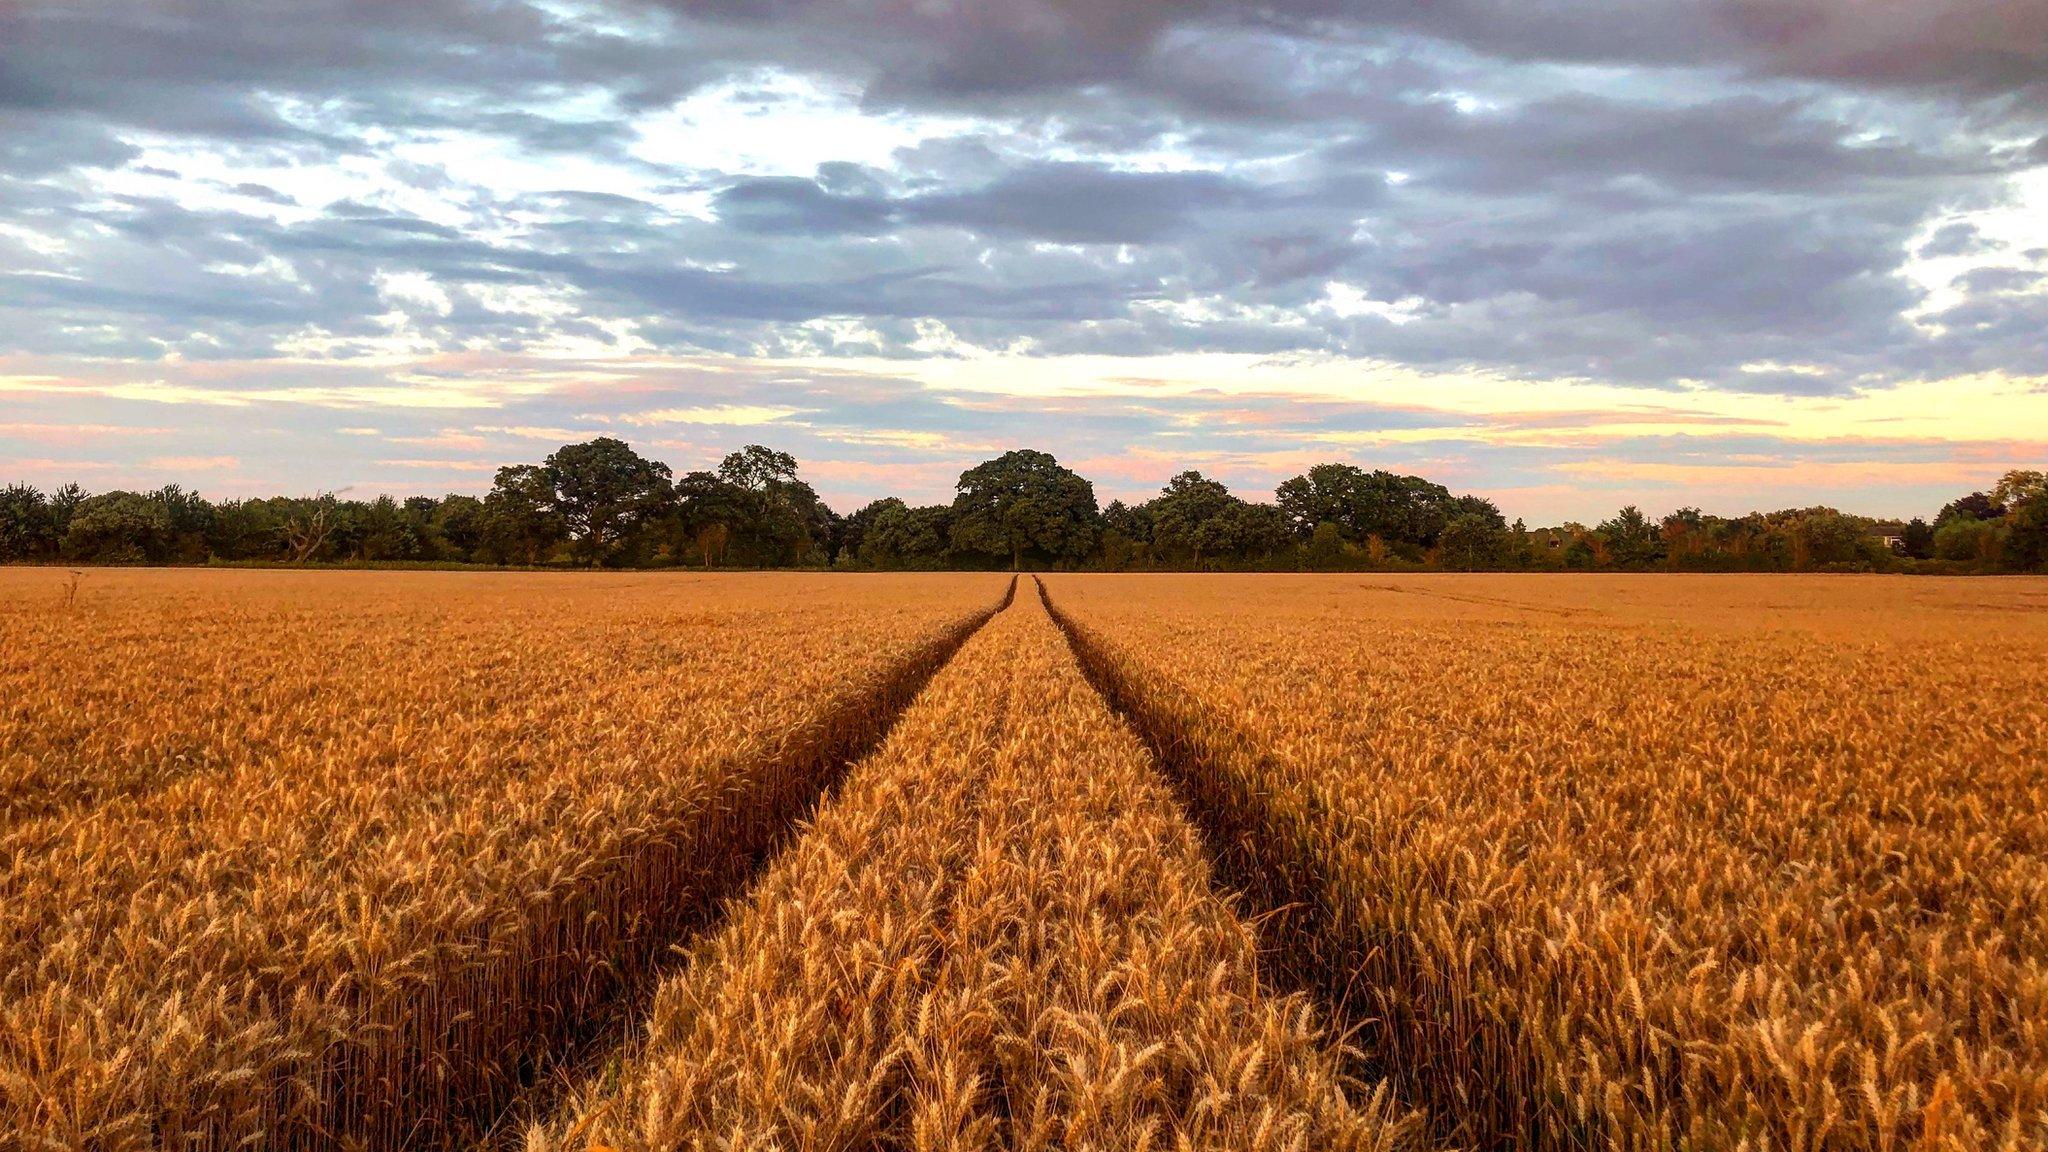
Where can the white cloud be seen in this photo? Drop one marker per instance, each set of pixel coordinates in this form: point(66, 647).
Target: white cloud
point(730, 415)
point(777, 123)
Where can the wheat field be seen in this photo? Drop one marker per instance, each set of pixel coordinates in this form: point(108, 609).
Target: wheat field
point(341, 858)
point(1002, 934)
point(583, 862)
point(1663, 863)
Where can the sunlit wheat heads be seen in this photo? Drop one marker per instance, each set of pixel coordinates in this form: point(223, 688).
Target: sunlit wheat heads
point(1001, 934)
point(1649, 863)
point(295, 858)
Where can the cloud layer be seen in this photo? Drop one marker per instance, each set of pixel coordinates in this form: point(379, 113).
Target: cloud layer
point(1806, 199)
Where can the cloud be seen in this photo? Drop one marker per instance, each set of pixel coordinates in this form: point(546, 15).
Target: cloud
point(479, 467)
point(445, 438)
point(530, 432)
point(1636, 240)
point(1082, 203)
point(70, 434)
point(193, 463)
point(976, 50)
point(401, 217)
point(1977, 45)
point(794, 204)
point(1991, 281)
point(1958, 239)
point(1061, 202)
point(728, 415)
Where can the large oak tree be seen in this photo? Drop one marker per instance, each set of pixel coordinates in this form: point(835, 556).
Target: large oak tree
point(1024, 501)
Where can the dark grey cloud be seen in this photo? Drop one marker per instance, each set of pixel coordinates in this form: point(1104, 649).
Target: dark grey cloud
point(262, 192)
point(1082, 203)
point(1742, 144)
point(1981, 46)
point(1958, 239)
point(210, 67)
point(1984, 281)
point(1062, 202)
point(1742, 183)
point(34, 145)
point(796, 204)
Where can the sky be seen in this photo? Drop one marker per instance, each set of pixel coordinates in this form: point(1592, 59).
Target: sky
point(1731, 254)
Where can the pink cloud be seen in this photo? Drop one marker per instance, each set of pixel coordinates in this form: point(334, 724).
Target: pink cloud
point(1599, 417)
point(1760, 472)
point(442, 465)
point(923, 482)
point(69, 435)
point(446, 438)
point(43, 468)
point(193, 463)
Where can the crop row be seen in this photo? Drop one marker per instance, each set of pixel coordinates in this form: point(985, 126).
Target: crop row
point(1001, 933)
point(305, 862)
point(1586, 884)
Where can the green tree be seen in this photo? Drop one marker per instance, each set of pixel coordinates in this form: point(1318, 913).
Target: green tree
point(1126, 540)
point(382, 531)
point(28, 529)
point(756, 468)
point(1966, 539)
point(64, 503)
point(1405, 510)
point(853, 531)
point(520, 522)
point(191, 520)
point(784, 522)
point(2024, 495)
point(421, 516)
point(1976, 506)
point(607, 496)
point(1246, 532)
point(119, 528)
point(1823, 536)
point(901, 536)
point(1325, 551)
point(1585, 550)
point(1632, 540)
point(1473, 540)
point(2026, 535)
point(710, 509)
point(1024, 501)
point(927, 536)
point(1182, 514)
point(243, 530)
point(459, 523)
point(1917, 538)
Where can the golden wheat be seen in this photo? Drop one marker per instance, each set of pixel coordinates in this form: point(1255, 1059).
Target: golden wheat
point(1634, 863)
point(1000, 935)
point(297, 859)
point(1662, 864)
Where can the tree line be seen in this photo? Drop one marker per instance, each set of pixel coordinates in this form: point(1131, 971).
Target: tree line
point(601, 504)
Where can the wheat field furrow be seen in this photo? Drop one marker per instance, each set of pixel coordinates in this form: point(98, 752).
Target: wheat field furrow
point(1608, 884)
point(1000, 935)
point(376, 931)
point(619, 863)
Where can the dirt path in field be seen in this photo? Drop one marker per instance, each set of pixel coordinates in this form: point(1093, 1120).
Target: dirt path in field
point(1280, 894)
point(1280, 898)
point(1001, 931)
point(596, 1035)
